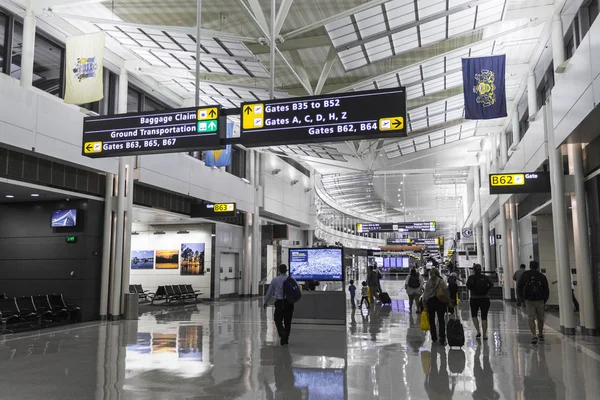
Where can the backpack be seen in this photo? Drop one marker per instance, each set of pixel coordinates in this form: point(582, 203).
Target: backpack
point(414, 282)
point(452, 281)
point(291, 290)
point(533, 289)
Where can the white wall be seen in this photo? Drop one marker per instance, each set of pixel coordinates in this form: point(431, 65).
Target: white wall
point(150, 279)
point(547, 257)
point(525, 241)
point(229, 240)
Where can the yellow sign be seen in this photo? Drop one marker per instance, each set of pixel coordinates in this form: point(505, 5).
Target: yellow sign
point(391, 124)
point(507, 179)
point(224, 207)
point(92, 147)
point(208, 113)
point(253, 116)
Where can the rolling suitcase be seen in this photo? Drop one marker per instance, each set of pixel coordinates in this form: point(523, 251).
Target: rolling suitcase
point(455, 333)
point(385, 298)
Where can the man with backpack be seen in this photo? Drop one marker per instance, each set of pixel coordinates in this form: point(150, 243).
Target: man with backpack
point(287, 292)
point(479, 285)
point(533, 288)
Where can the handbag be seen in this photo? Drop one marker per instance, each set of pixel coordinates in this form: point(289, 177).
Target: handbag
point(442, 294)
point(425, 321)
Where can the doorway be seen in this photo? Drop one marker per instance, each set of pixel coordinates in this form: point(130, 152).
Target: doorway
point(229, 274)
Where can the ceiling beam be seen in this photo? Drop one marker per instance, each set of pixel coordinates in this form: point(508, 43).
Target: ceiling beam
point(282, 14)
point(325, 21)
point(301, 70)
point(331, 57)
point(293, 44)
point(182, 53)
point(305, 84)
point(258, 14)
point(412, 24)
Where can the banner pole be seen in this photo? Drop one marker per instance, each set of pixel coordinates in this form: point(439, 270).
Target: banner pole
point(198, 50)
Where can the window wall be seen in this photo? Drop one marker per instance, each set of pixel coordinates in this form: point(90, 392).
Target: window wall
point(3, 40)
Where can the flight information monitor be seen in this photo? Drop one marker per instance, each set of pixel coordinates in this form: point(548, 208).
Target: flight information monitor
point(151, 132)
point(329, 118)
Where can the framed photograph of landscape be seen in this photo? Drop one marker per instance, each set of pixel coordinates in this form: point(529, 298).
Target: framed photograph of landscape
point(167, 259)
point(192, 259)
point(142, 259)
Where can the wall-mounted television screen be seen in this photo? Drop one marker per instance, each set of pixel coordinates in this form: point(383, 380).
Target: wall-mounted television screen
point(316, 264)
point(62, 218)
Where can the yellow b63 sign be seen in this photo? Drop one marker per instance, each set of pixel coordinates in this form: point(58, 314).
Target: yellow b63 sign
point(507, 179)
point(224, 207)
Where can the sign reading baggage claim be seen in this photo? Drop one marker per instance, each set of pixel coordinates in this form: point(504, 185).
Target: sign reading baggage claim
point(164, 131)
point(329, 118)
point(524, 182)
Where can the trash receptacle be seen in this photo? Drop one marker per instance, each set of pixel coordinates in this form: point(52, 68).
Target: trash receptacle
point(131, 306)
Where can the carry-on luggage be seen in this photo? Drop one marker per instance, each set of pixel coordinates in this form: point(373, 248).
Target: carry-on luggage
point(385, 298)
point(455, 333)
point(457, 361)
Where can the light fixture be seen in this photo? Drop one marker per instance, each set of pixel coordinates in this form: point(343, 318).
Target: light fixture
point(135, 233)
point(159, 232)
point(275, 171)
point(295, 181)
point(9, 196)
point(246, 180)
point(307, 190)
point(184, 232)
point(35, 195)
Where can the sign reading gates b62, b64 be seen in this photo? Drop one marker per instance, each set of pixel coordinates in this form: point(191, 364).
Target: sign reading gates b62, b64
point(163, 131)
point(329, 118)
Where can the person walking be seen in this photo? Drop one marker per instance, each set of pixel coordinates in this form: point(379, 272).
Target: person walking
point(436, 302)
point(373, 282)
point(414, 288)
point(352, 290)
point(533, 288)
point(479, 285)
point(284, 307)
point(453, 280)
point(364, 294)
point(516, 276)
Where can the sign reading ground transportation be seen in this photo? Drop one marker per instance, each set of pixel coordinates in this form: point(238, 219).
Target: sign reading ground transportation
point(165, 131)
point(524, 182)
point(397, 227)
point(329, 118)
point(213, 210)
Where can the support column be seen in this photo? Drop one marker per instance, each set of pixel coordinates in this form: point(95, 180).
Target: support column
point(256, 239)
point(115, 303)
point(27, 50)
point(485, 222)
point(563, 269)
point(558, 43)
point(516, 134)
point(106, 246)
point(531, 94)
point(582, 248)
point(477, 213)
point(247, 271)
point(127, 222)
point(504, 253)
point(503, 151)
point(514, 236)
point(478, 240)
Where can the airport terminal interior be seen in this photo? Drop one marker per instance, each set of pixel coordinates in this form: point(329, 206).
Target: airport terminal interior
point(161, 159)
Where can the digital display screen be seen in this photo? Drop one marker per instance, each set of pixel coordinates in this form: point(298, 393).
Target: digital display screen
point(151, 132)
point(63, 218)
point(328, 118)
point(316, 264)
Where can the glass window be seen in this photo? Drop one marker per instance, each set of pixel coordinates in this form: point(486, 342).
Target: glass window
point(3, 38)
point(151, 105)
point(133, 100)
point(47, 62)
point(593, 11)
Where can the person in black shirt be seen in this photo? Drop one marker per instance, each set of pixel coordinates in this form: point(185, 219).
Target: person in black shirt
point(479, 284)
point(533, 288)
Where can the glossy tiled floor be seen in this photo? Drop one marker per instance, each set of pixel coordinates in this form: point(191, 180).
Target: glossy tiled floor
point(228, 350)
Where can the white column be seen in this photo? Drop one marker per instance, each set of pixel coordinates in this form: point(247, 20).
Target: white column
point(558, 42)
point(515, 127)
point(479, 241)
point(247, 271)
point(504, 252)
point(503, 151)
point(128, 219)
point(106, 246)
point(477, 213)
point(563, 269)
point(256, 235)
point(28, 47)
point(485, 222)
point(514, 227)
point(115, 303)
point(531, 94)
point(582, 248)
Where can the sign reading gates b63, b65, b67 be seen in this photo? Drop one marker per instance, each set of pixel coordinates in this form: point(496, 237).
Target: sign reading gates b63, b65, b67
point(163, 131)
point(329, 118)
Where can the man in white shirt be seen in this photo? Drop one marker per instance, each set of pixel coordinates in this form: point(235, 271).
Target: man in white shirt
point(284, 311)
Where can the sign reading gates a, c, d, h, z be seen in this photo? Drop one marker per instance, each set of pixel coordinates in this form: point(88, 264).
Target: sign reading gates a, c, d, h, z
point(522, 182)
point(165, 131)
point(328, 118)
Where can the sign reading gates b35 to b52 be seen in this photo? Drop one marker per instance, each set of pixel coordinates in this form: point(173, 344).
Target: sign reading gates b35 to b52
point(524, 182)
point(328, 118)
point(164, 131)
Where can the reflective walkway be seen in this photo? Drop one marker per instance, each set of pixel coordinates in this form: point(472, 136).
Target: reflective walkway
point(229, 350)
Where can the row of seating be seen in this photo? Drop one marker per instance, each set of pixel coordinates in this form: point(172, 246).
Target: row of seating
point(35, 311)
point(143, 295)
point(170, 293)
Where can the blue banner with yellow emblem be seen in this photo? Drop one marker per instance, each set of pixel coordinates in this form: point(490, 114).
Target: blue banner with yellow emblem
point(484, 87)
point(220, 158)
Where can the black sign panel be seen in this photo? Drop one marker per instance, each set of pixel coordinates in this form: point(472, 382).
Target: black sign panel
point(207, 210)
point(397, 227)
point(165, 131)
point(329, 118)
point(402, 241)
point(522, 182)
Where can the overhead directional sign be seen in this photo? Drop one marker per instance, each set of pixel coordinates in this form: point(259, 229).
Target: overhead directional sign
point(329, 118)
point(524, 182)
point(206, 210)
point(397, 227)
point(164, 131)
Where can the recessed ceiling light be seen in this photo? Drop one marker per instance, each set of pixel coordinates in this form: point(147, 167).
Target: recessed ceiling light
point(9, 196)
point(35, 195)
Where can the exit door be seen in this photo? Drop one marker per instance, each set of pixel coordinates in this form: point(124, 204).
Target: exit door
point(229, 274)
